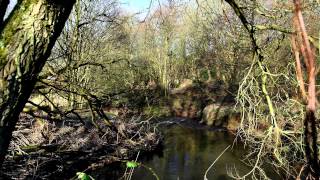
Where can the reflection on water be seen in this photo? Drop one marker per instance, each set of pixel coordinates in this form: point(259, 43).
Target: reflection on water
point(187, 154)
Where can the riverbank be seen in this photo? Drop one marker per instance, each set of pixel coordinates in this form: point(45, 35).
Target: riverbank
point(188, 151)
point(42, 148)
point(211, 103)
point(47, 150)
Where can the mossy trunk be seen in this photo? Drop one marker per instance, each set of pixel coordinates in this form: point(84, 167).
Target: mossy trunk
point(26, 40)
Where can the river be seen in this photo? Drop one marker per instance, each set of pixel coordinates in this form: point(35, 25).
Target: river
point(187, 153)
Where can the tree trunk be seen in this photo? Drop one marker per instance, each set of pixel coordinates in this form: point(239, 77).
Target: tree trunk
point(3, 8)
point(310, 122)
point(26, 41)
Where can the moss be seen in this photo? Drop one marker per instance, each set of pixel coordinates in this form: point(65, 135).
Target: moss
point(3, 55)
point(11, 26)
point(30, 148)
point(177, 104)
point(157, 111)
point(14, 20)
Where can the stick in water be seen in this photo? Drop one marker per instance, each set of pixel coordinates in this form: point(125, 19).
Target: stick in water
point(205, 175)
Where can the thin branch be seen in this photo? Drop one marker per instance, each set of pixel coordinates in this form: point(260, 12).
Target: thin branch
point(298, 68)
point(274, 28)
point(205, 175)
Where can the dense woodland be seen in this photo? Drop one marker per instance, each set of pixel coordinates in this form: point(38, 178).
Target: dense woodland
point(88, 78)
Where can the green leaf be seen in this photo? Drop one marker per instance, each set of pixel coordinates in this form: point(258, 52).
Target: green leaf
point(83, 176)
point(131, 164)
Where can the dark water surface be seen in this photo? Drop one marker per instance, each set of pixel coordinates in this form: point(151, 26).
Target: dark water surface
point(187, 154)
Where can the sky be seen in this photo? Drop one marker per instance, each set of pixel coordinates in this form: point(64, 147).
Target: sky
point(135, 5)
point(10, 7)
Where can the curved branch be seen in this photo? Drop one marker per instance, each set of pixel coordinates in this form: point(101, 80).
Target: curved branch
point(257, 51)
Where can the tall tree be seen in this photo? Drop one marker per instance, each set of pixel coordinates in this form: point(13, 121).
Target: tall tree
point(26, 40)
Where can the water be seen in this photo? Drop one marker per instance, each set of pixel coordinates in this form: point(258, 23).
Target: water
point(187, 154)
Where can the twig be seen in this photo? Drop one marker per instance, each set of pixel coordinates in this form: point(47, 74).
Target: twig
point(205, 175)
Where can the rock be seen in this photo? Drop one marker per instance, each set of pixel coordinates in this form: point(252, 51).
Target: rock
point(220, 116)
point(185, 84)
point(233, 122)
point(187, 100)
point(186, 106)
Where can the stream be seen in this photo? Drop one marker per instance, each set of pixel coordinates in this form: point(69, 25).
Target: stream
point(187, 153)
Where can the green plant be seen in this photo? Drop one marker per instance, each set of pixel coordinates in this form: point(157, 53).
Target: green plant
point(131, 164)
point(84, 176)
